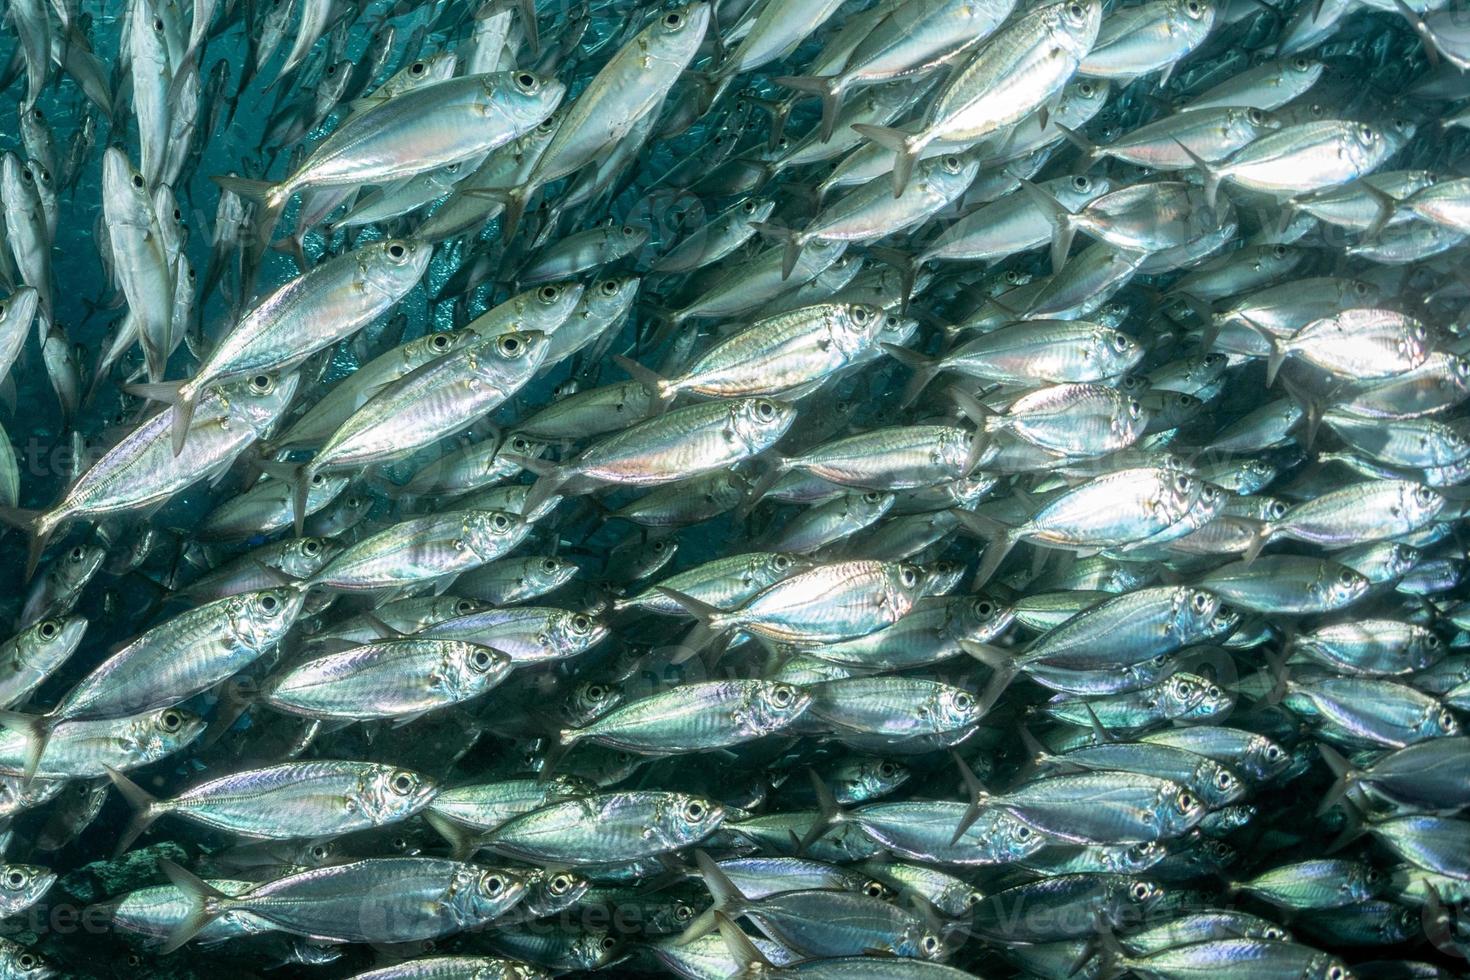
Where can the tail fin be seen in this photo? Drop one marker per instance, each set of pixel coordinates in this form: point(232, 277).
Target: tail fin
point(740, 947)
point(549, 480)
point(925, 370)
point(144, 811)
point(35, 524)
point(1261, 536)
point(831, 813)
point(1000, 539)
point(1278, 352)
point(1090, 151)
point(711, 622)
point(35, 730)
point(299, 477)
point(1346, 777)
point(906, 147)
point(183, 396)
point(205, 904)
point(662, 389)
point(793, 241)
point(1063, 222)
point(269, 199)
point(463, 842)
point(727, 899)
point(1212, 175)
point(1003, 670)
point(826, 87)
point(979, 798)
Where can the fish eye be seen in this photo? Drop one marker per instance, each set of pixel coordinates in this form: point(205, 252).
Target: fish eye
point(158, 24)
point(500, 522)
point(519, 444)
point(318, 852)
point(964, 701)
point(1075, 11)
point(781, 563)
point(1300, 64)
point(952, 164)
point(581, 623)
point(608, 943)
point(749, 207)
point(1361, 288)
point(397, 251)
point(170, 721)
point(1087, 90)
point(908, 576)
point(984, 609)
point(887, 770)
point(1348, 577)
point(261, 384)
point(609, 287)
point(1255, 117)
point(1081, 183)
point(673, 20)
point(695, 811)
point(138, 181)
point(16, 878)
point(1367, 134)
point(872, 497)
point(480, 660)
point(1274, 753)
point(526, 82)
point(509, 346)
point(548, 294)
point(1424, 496)
point(49, 629)
point(782, 696)
point(26, 175)
point(1139, 891)
point(861, 314)
point(269, 603)
point(930, 945)
point(1183, 483)
point(417, 68)
point(331, 70)
point(492, 885)
point(1135, 408)
point(765, 410)
point(550, 565)
point(311, 547)
point(27, 961)
point(1223, 780)
point(1277, 509)
point(1022, 832)
point(1194, 8)
point(596, 692)
point(1187, 802)
point(1336, 972)
point(464, 607)
point(1447, 721)
point(440, 341)
point(659, 546)
point(560, 884)
point(402, 783)
point(1121, 341)
point(683, 913)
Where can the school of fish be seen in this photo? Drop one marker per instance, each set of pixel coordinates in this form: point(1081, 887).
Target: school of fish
point(868, 490)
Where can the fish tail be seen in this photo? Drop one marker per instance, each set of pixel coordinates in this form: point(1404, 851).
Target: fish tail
point(792, 240)
point(463, 842)
point(1261, 535)
point(712, 621)
point(268, 197)
point(979, 798)
point(206, 903)
point(828, 88)
point(659, 387)
point(830, 813)
point(144, 807)
point(549, 479)
point(925, 370)
point(906, 147)
point(728, 900)
point(299, 477)
point(38, 525)
point(1063, 222)
point(1345, 777)
point(999, 538)
point(1278, 351)
point(1212, 174)
point(35, 731)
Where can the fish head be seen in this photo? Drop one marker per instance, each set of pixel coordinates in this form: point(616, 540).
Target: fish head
point(1077, 25)
point(680, 29)
point(166, 731)
point(390, 794)
point(953, 708)
point(877, 777)
point(547, 306)
point(550, 891)
point(1336, 586)
point(304, 556)
point(50, 641)
point(854, 326)
point(487, 892)
point(267, 615)
point(491, 533)
point(687, 819)
point(982, 618)
point(22, 885)
point(528, 98)
point(394, 266)
point(777, 705)
point(260, 400)
point(572, 633)
point(761, 422)
point(609, 298)
point(472, 669)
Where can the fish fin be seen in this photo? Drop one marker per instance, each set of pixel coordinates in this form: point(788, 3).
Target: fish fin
point(792, 240)
point(299, 478)
point(1062, 220)
point(979, 798)
point(999, 538)
point(268, 197)
point(925, 370)
point(740, 947)
point(659, 387)
point(830, 813)
point(34, 729)
point(906, 147)
point(728, 900)
point(35, 525)
point(763, 486)
point(549, 479)
point(1211, 173)
point(1345, 777)
point(1003, 670)
point(1278, 352)
point(1386, 207)
point(1261, 534)
point(463, 842)
point(1090, 151)
point(205, 904)
point(144, 812)
point(826, 87)
point(708, 617)
point(908, 271)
